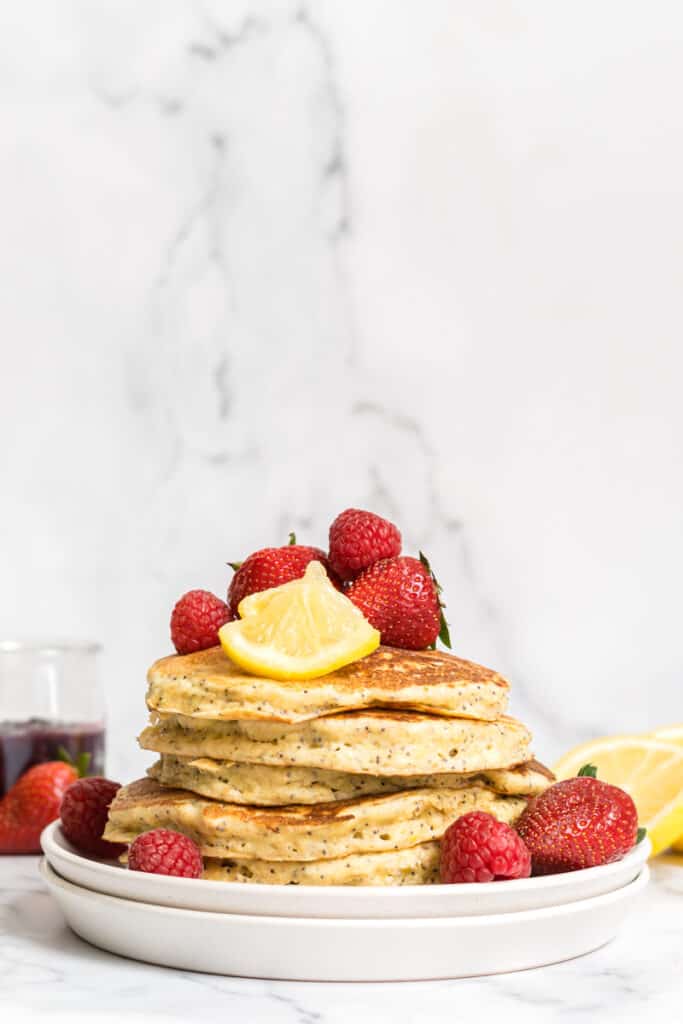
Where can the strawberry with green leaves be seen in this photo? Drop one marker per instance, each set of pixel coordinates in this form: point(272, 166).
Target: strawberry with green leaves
point(401, 598)
point(579, 823)
point(270, 567)
point(34, 801)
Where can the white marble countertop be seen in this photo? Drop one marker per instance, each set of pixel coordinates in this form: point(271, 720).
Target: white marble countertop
point(47, 972)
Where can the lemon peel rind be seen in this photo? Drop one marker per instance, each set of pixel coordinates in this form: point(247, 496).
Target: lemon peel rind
point(276, 668)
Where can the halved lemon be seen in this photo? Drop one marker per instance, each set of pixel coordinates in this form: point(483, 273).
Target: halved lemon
point(650, 769)
point(672, 734)
point(669, 734)
point(299, 630)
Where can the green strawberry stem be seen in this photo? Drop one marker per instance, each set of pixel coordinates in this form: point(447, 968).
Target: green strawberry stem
point(642, 832)
point(292, 537)
point(80, 765)
point(234, 565)
point(444, 632)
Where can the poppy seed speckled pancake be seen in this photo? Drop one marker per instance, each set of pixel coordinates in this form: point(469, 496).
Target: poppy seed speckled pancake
point(368, 742)
point(269, 785)
point(207, 684)
point(301, 832)
point(418, 865)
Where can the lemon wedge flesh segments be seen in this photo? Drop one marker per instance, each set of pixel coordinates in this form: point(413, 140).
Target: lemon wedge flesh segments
point(299, 630)
point(647, 768)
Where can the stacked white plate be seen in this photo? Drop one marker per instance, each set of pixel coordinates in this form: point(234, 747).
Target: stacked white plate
point(340, 933)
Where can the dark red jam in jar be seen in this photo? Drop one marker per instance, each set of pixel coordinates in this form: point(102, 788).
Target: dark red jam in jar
point(23, 744)
point(51, 706)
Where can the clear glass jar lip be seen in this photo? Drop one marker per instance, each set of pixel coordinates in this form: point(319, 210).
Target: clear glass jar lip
point(51, 645)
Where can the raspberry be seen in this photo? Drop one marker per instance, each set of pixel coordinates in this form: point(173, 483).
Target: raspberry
point(84, 815)
point(163, 852)
point(196, 619)
point(358, 539)
point(479, 848)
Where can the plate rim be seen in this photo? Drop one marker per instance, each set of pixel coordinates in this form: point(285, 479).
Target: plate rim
point(52, 878)
point(640, 854)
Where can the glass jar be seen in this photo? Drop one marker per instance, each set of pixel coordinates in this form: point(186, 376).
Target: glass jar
point(51, 702)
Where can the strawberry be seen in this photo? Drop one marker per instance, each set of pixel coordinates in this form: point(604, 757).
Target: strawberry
point(578, 823)
point(31, 804)
point(400, 598)
point(358, 539)
point(270, 567)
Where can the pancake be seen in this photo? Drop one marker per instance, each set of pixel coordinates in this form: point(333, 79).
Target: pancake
point(418, 865)
point(207, 684)
point(301, 832)
point(369, 742)
point(268, 785)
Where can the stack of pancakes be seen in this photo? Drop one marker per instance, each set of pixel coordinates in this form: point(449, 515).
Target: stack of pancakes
point(351, 778)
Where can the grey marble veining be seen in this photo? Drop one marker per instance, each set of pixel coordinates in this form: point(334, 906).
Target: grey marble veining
point(265, 260)
point(46, 972)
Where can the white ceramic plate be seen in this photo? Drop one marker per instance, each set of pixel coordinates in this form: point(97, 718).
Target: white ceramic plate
point(311, 949)
point(338, 901)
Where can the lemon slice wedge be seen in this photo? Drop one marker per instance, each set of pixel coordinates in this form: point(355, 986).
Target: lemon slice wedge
point(300, 630)
point(648, 768)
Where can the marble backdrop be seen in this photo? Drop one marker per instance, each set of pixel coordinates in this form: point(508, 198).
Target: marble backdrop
point(262, 261)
